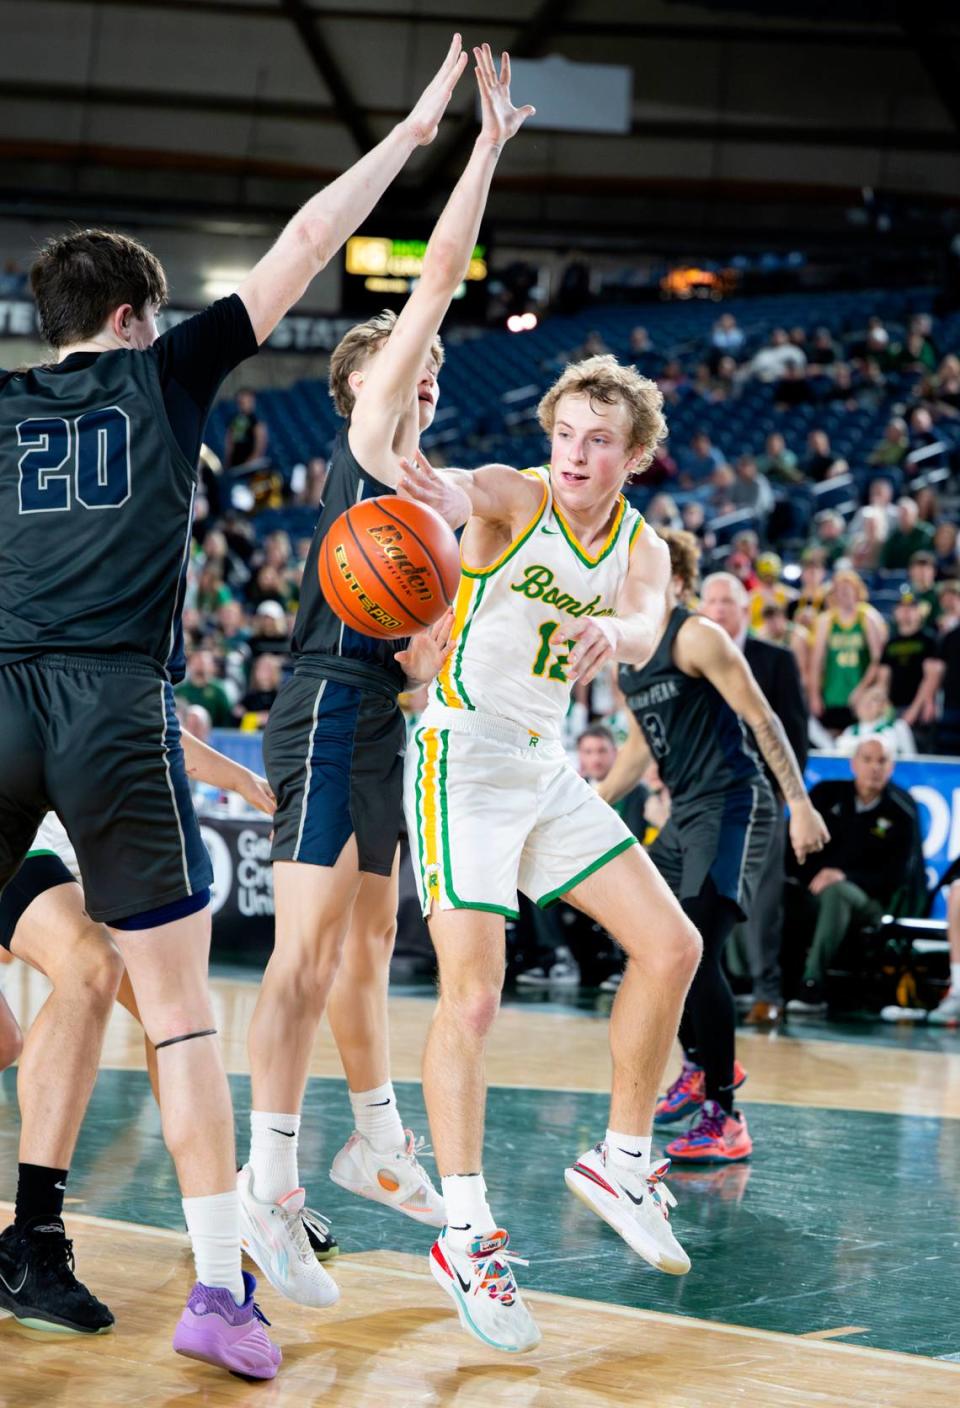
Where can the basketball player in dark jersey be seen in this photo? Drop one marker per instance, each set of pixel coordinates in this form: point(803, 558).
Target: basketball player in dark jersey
point(333, 753)
point(688, 707)
point(98, 458)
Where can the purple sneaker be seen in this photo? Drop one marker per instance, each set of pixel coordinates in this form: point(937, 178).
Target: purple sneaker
point(218, 1331)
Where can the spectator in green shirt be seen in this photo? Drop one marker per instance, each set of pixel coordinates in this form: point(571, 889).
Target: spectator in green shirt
point(909, 536)
point(778, 463)
point(202, 687)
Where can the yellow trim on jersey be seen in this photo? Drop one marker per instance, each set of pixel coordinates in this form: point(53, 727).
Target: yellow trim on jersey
point(515, 546)
point(448, 678)
point(430, 738)
point(635, 532)
point(592, 559)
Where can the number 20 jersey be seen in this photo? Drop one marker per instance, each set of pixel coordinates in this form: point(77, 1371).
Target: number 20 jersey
point(510, 649)
point(96, 499)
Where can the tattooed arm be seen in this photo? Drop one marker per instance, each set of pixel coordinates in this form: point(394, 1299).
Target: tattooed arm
point(704, 649)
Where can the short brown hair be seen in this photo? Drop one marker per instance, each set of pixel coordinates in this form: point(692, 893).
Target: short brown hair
point(78, 279)
point(684, 556)
point(603, 379)
point(355, 347)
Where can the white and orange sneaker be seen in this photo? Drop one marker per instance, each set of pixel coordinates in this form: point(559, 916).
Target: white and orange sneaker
point(639, 1212)
point(273, 1235)
point(395, 1179)
point(482, 1286)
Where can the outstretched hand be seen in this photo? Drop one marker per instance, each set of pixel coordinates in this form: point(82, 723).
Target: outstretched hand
point(424, 484)
point(424, 656)
point(424, 118)
point(501, 120)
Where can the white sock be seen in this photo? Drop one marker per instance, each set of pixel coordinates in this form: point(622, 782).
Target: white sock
point(214, 1226)
point(628, 1154)
point(465, 1198)
point(375, 1116)
point(955, 977)
point(273, 1154)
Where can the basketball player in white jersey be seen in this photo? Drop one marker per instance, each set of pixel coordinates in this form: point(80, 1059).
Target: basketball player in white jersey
point(560, 577)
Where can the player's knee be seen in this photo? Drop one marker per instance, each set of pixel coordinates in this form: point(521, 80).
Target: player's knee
point(474, 1006)
point(11, 1044)
point(95, 963)
point(371, 949)
point(680, 950)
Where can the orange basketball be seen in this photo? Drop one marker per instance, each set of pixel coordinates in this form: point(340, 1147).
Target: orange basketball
point(388, 567)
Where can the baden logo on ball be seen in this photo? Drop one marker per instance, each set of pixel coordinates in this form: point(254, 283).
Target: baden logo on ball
point(389, 567)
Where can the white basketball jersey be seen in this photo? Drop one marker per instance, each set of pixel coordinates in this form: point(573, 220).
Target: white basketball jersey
point(52, 838)
point(510, 650)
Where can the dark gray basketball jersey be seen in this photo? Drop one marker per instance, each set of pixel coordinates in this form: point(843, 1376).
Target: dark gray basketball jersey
point(698, 741)
point(98, 462)
point(318, 631)
point(96, 499)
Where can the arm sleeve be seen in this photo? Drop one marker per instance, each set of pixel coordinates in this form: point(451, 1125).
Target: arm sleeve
point(199, 352)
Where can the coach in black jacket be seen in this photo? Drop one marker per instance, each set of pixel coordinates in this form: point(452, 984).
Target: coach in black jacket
point(725, 602)
point(874, 850)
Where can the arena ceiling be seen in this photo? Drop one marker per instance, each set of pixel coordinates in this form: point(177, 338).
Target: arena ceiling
point(204, 112)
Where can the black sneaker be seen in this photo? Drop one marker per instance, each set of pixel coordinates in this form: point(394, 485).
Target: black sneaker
point(37, 1283)
point(319, 1235)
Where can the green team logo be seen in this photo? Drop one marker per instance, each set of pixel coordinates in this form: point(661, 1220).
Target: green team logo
point(539, 585)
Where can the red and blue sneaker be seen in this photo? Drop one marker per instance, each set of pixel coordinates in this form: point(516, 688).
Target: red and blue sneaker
point(716, 1138)
point(687, 1093)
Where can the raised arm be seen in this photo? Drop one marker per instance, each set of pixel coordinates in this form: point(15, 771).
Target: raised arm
point(389, 387)
point(318, 230)
point(704, 649)
point(632, 761)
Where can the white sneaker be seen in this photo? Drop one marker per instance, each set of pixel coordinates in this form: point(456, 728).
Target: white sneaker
point(483, 1288)
point(395, 1179)
point(642, 1221)
point(948, 1013)
point(562, 974)
point(274, 1236)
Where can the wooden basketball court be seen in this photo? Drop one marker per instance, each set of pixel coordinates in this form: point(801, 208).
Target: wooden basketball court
point(814, 1268)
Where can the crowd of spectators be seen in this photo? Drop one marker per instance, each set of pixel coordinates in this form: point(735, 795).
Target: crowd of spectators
point(850, 561)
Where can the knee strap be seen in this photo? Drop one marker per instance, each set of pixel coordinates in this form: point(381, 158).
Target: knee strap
point(172, 1040)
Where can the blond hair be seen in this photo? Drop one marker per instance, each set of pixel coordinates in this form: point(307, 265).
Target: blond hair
point(355, 347)
point(603, 379)
point(684, 557)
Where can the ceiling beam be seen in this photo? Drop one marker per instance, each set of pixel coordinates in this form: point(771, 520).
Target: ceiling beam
point(667, 129)
point(352, 115)
point(920, 24)
point(867, 36)
point(530, 38)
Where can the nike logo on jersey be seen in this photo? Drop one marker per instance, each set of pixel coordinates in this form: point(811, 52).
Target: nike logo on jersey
point(549, 530)
point(287, 1133)
point(15, 1290)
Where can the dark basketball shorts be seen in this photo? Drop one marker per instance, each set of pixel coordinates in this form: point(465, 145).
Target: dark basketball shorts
point(333, 754)
point(96, 739)
point(725, 840)
point(38, 874)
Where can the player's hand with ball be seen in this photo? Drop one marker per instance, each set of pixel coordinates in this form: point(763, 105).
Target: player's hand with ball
point(501, 120)
point(424, 656)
